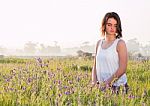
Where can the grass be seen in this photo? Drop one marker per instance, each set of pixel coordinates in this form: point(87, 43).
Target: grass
point(66, 81)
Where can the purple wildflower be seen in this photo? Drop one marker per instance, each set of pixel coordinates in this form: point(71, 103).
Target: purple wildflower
point(24, 88)
point(50, 87)
point(59, 82)
point(131, 96)
point(67, 92)
point(65, 87)
point(29, 80)
point(54, 81)
point(7, 80)
point(59, 94)
point(11, 89)
point(78, 79)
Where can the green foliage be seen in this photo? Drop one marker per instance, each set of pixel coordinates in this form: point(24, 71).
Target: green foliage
point(12, 60)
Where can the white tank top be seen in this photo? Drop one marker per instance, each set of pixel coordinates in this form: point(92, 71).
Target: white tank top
point(107, 63)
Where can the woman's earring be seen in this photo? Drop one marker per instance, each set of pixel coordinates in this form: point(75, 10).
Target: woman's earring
point(116, 34)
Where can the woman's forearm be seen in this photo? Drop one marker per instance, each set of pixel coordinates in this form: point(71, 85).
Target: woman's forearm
point(115, 76)
point(94, 77)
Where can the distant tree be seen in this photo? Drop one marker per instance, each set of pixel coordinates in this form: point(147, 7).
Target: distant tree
point(130, 55)
point(147, 49)
point(54, 49)
point(87, 54)
point(86, 43)
point(1, 56)
point(43, 49)
point(86, 47)
point(84, 54)
point(133, 45)
point(30, 48)
point(80, 53)
point(139, 55)
point(49, 50)
point(2, 50)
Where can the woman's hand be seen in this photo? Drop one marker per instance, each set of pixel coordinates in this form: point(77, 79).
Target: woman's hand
point(93, 83)
point(108, 82)
point(103, 86)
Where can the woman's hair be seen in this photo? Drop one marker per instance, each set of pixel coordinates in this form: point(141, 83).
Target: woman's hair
point(117, 18)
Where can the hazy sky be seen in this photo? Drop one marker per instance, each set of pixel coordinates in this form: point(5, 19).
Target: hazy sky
point(70, 22)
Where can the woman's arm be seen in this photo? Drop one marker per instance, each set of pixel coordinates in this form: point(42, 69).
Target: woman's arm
point(123, 58)
point(94, 76)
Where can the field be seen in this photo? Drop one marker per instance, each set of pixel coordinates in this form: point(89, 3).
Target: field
point(67, 82)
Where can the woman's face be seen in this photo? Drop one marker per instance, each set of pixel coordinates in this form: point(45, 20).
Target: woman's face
point(111, 26)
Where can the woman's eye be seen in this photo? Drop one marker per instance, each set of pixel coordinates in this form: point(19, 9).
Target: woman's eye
point(109, 24)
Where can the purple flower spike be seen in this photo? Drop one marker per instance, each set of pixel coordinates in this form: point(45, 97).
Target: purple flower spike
point(67, 92)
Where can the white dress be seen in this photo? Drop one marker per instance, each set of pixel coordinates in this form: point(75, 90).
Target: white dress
point(107, 63)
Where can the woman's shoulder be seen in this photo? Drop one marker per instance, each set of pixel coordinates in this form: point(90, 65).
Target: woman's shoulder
point(98, 43)
point(99, 40)
point(121, 44)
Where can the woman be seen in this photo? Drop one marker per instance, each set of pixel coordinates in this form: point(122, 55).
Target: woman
point(110, 63)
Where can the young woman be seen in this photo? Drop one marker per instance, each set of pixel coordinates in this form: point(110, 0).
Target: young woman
point(109, 69)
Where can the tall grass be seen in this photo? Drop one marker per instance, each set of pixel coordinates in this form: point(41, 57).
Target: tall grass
point(66, 81)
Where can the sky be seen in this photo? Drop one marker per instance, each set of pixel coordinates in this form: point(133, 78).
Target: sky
point(69, 22)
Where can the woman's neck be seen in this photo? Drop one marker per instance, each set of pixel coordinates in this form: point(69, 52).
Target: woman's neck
point(109, 38)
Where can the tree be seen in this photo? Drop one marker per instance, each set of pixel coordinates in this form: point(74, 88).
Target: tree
point(86, 47)
point(42, 49)
point(146, 49)
point(49, 50)
point(2, 50)
point(133, 45)
point(80, 53)
point(84, 54)
point(30, 48)
point(54, 49)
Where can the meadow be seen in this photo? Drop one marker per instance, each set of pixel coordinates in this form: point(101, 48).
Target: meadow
point(67, 82)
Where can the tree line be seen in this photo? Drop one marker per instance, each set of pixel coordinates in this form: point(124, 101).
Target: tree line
point(31, 49)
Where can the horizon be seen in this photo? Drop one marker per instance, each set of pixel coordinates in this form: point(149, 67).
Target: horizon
point(64, 45)
point(36, 49)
